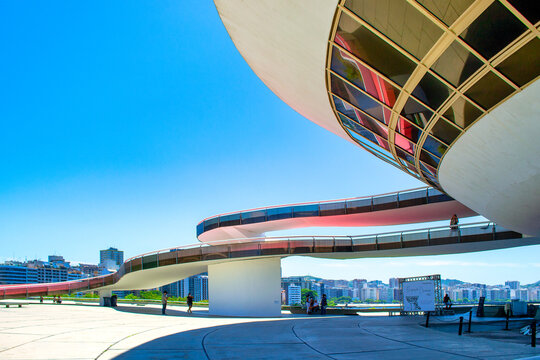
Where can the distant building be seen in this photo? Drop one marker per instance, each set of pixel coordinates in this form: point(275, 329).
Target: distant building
point(294, 294)
point(111, 255)
point(514, 285)
point(17, 274)
point(197, 285)
point(393, 282)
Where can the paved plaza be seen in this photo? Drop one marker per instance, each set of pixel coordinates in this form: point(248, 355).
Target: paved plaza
point(47, 331)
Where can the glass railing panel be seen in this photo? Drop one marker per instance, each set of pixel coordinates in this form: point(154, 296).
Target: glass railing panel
point(150, 261)
point(251, 217)
point(343, 245)
point(167, 258)
point(503, 234)
point(416, 238)
point(136, 264)
point(389, 238)
point(245, 250)
point(306, 210)
point(435, 195)
point(109, 279)
point(412, 198)
point(215, 252)
point(211, 223)
point(189, 255)
point(279, 213)
point(443, 236)
point(277, 247)
point(301, 245)
point(41, 290)
point(385, 202)
point(229, 220)
point(358, 206)
point(324, 245)
point(59, 288)
point(364, 243)
point(329, 209)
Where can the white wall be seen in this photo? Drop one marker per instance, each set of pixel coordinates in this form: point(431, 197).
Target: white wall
point(245, 288)
point(494, 168)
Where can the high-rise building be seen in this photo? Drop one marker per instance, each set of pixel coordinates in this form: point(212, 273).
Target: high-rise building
point(294, 294)
point(514, 285)
point(111, 255)
point(17, 274)
point(393, 282)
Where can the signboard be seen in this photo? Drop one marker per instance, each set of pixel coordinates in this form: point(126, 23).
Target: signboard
point(419, 295)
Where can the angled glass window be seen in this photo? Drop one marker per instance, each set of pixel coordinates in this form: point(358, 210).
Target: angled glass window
point(489, 90)
point(428, 169)
point(368, 47)
point(402, 154)
point(306, 210)
point(417, 113)
point(360, 75)
point(527, 8)
point(456, 64)
point(434, 146)
point(377, 151)
point(429, 159)
point(462, 113)
point(408, 130)
point(255, 216)
point(431, 91)
point(445, 131)
point(400, 22)
point(493, 30)
point(229, 220)
point(446, 11)
point(279, 213)
point(359, 117)
point(359, 99)
point(405, 144)
point(523, 66)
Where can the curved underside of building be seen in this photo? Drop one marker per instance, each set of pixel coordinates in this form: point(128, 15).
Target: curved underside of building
point(444, 91)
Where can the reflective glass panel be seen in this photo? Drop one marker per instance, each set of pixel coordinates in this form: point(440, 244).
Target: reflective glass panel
point(306, 210)
point(495, 28)
point(408, 130)
point(211, 223)
point(359, 99)
point(400, 22)
point(456, 64)
point(380, 152)
point(360, 75)
point(431, 91)
point(404, 155)
point(229, 220)
point(462, 113)
point(428, 169)
point(417, 113)
point(429, 159)
point(444, 131)
point(279, 213)
point(434, 146)
point(253, 216)
point(524, 65)
point(447, 11)
point(368, 47)
point(405, 144)
point(527, 8)
point(489, 90)
point(430, 177)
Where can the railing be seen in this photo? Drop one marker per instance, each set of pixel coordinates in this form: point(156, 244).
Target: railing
point(413, 197)
point(274, 246)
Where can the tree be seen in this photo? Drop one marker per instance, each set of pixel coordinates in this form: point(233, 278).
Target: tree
point(306, 292)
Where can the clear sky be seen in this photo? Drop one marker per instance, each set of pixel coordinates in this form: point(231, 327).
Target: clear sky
point(125, 123)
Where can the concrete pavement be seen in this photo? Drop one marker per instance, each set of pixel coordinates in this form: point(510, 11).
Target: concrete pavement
point(47, 331)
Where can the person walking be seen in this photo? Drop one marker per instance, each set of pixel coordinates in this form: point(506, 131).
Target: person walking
point(308, 300)
point(323, 304)
point(164, 299)
point(189, 301)
point(447, 302)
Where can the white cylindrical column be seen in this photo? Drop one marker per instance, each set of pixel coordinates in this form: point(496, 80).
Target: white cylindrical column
point(245, 288)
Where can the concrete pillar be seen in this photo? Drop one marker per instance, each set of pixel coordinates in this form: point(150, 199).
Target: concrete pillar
point(102, 294)
point(245, 288)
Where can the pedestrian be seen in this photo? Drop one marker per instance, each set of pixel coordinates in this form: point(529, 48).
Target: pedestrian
point(454, 221)
point(447, 302)
point(308, 300)
point(54, 299)
point(59, 300)
point(323, 304)
point(164, 298)
point(314, 306)
point(189, 301)
point(41, 299)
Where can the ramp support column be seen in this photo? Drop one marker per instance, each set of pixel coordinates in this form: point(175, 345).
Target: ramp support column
point(245, 288)
point(102, 295)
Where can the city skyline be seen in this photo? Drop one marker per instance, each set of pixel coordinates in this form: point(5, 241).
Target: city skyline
point(143, 143)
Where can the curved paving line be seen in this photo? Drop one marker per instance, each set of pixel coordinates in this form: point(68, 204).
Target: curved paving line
point(309, 346)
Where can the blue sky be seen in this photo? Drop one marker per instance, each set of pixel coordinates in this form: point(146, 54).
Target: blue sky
point(124, 124)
